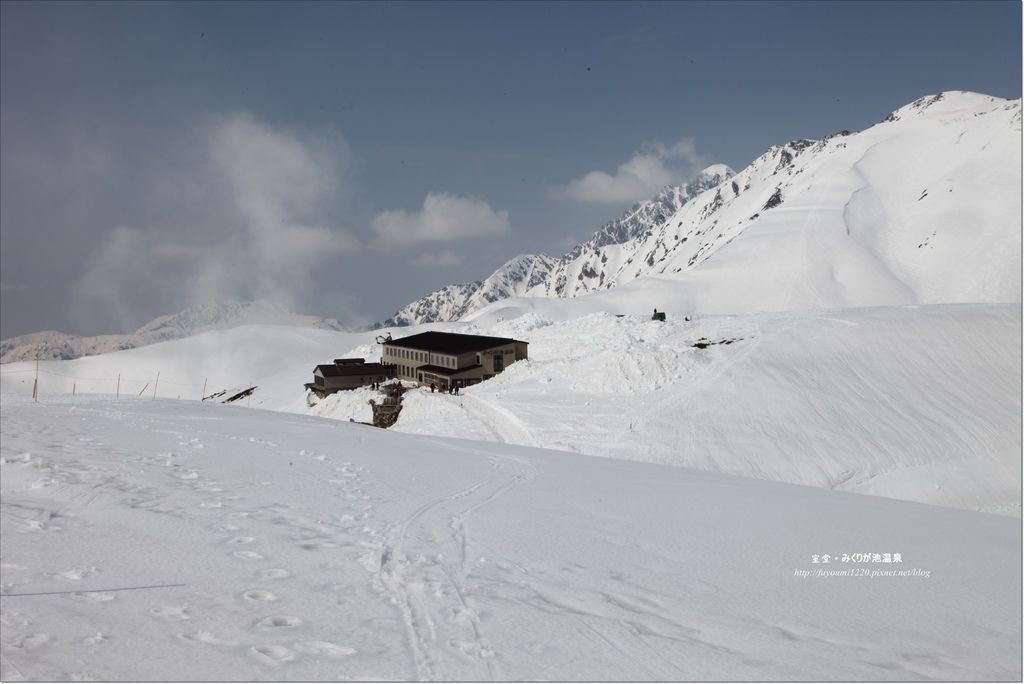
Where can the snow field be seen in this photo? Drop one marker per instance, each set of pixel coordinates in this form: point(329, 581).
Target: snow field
point(198, 541)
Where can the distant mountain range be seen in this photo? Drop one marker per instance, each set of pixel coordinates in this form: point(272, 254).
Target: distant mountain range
point(221, 315)
point(924, 207)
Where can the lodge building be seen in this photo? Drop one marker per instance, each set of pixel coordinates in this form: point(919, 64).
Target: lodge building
point(346, 374)
point(451, 359)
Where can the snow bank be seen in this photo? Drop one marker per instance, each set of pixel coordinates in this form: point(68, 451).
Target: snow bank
point(918, 403)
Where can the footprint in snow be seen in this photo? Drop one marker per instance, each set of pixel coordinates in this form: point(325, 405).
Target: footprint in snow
point(234, 541)
point(272, 654)
point(202, 636)
point(274, 573)
point(324, 648)
point(75, 574)
point(259, 595)
point(248, 555)
point(279, 621)
point(470, 648)
point(31, 641)
point(317, 545)
point(170, 613)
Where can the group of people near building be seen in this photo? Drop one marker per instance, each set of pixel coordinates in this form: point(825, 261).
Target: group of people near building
point(452, 389)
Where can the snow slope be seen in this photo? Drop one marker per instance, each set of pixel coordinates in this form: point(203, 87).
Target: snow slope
point(922, 208)
point(172, 540)
point(916, 403)
point(220, 315)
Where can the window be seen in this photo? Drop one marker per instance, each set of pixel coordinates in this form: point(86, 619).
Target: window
point(318, 380)
point(499, 363)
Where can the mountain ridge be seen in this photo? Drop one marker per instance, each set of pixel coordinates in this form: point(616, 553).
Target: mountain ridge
point(847, 219)
point(217, 315)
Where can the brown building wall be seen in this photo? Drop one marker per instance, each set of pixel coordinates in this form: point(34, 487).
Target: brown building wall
point(408, 361)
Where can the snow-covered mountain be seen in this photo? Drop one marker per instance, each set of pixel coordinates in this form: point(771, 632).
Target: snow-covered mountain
point(924, 207)
point(515, 278)
point(526, 274)
point(219, 315)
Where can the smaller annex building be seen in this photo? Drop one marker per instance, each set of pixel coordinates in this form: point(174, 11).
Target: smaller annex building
point(451, 359)
point(346, 374)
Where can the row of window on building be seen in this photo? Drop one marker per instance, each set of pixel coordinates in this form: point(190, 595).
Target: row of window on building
point(426, 357)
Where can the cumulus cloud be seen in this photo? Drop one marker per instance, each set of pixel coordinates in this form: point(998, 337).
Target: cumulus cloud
point(443, 259)
point(442, 218)
point(258, 209)
point(642, 176)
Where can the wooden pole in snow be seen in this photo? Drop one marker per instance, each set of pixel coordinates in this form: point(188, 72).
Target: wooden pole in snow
point(35, 383)
point(73, 386)
point(156, 383)
point(118, 394)
point(203, 395)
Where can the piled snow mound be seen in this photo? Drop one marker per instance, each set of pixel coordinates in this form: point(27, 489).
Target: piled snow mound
point(227, 544)
point(918, 403)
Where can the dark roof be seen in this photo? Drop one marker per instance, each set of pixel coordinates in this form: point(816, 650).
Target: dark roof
point(441, 370)
point(329, 370)
point(450, 343)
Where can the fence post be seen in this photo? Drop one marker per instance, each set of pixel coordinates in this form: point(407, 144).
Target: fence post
point(156, 383)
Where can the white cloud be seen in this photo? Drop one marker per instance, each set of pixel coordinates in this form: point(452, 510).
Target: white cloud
point(444, 217)
point(267, 200)
point(646, 172)
point(280, 187)
point(443, 259)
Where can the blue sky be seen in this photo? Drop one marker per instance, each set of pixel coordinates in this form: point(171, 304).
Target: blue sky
point(348, 158)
